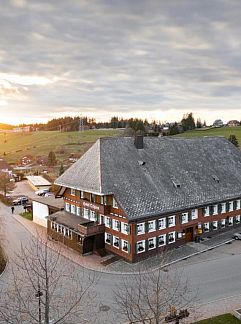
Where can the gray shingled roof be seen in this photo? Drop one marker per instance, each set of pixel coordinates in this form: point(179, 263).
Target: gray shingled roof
point(111, 166)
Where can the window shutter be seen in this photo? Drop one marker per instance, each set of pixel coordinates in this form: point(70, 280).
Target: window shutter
point(203, 211)
point(234, 205)
point(111, 225)
point(189, 216)
point(146, 227)
point(227, 206)
point(146, 245)
point(219, 208)
point(119, 226)
point(211, 208)
point(129, 248)
point(128, 229)
point(167, 223)
point(111, 239)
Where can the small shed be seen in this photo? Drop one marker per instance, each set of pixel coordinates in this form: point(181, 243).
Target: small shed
point(45, 206)
point(38, 182)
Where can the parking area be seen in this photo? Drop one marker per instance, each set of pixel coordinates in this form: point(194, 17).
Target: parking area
point(22, 188)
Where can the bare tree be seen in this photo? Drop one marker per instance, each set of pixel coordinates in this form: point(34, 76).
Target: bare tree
point(5, 184)
point(153, 296)
point(43, 287)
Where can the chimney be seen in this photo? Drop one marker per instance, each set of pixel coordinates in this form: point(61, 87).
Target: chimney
point(139, 142)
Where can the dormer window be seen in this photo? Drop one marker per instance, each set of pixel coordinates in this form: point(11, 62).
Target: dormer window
point(114, 203)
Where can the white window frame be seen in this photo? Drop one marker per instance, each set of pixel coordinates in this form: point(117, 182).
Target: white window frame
point(194, 213)
point(164, 239)
point(116, 224)
point(153, 225)
point(114, 204)
point(143, 228)
point(215, 223)
point(81, 194)
point(116, 239)
point(230, 206)
point(164, 221)
point(215, 209)
point(107, 221)
point(124, 228)
point(223, 223)
point(230, 221)
point(123, 244)
point(78, 209)
point(72, 191)
point(107, 236)
point(238, 204)
point(237, 219)
point(86, 213)
point(173, 223)
point(223, 208)
point(206, 211)
point(141, 243)
point(154, 243)
point(184, 217)
point(93, 215)
point(73, 209)
point(67, 207)
point(206, 227)
point(102, 200)
point(174, 237)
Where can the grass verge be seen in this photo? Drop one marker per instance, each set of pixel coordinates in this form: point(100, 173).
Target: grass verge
point(27, 215)
point(221, 319)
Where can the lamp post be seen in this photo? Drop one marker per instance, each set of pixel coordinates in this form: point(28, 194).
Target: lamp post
point(39, 294)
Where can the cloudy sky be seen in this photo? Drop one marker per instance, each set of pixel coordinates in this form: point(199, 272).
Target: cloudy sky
point(154, 59)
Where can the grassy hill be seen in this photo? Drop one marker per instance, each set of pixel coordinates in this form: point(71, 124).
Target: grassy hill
point(222, 131)
point(17, 145)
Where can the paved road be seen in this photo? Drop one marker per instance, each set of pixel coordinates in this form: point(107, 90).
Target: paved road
point(216, 274)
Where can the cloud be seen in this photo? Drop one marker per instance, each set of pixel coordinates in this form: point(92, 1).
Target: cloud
point(124, 57)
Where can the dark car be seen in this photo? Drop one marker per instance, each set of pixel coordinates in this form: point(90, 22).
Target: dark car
point(20, 201)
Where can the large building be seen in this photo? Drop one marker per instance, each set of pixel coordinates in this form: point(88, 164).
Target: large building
point(138, 196)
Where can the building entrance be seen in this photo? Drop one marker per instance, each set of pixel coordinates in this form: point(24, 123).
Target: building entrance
point(189, 234)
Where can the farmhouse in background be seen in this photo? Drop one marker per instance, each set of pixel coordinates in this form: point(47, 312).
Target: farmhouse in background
point(233, 123)
point(137, 197)
point(38, 182)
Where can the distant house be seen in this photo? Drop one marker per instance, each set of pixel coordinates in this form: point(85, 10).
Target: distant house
point(218, 123)
point(22, 129)
point(45, 206)
point(5, 167)
point(233, 123)
point(38, 182)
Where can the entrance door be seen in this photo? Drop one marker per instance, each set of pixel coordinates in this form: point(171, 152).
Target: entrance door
point(189, 234)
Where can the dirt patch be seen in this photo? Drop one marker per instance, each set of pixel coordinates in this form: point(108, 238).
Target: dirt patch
point(3, 261)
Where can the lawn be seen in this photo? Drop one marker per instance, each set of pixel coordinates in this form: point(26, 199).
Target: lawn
point(222, 319)
point(17, 145)
point(27, 215)
point(222, 131)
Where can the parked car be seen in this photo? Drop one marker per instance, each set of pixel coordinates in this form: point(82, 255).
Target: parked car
point(20, 201)
point(41, 192)
point(48, 194)
point(237, 236)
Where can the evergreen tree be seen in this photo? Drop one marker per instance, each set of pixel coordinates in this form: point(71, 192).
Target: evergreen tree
point(52, 159)
point(233, 140)
point(188, 122)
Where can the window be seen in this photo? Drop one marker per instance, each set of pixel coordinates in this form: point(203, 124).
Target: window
point(223, 223)
point(223, 208)
point(72, 192)
point(140, 246)
point(215, 225)
point(102, 219)
point(102, 200)
point(140, 228)
point(72, 209)
point(184, 218)
point(230, 221)
point(67, 207)
point(106, 200)
point(86, 213)
point(78, 211)
point(171, 237)
point(125, 245)
point(230, 206)
point(162, 240)
point(82, 194)
point(93, 215)
point(92, 198)
point(151, 243)
point(237, 219)
point(206, 227)
point(115, 203)
point(194, 213)
point(124, 228)
point(116, 242)
point(238, 204)
point(206, 211)
point(215, 209)
point(171, 221)
point(151, 226)
point(161, 223)
point(116, 225)
point(107, 238)
point(107, 221)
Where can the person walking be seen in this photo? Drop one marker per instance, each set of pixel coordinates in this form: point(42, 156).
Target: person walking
point(12, 209)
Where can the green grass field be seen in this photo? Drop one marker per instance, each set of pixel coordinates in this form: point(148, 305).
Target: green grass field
point(222, 131)
point(17, 145)
point(222, 319)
